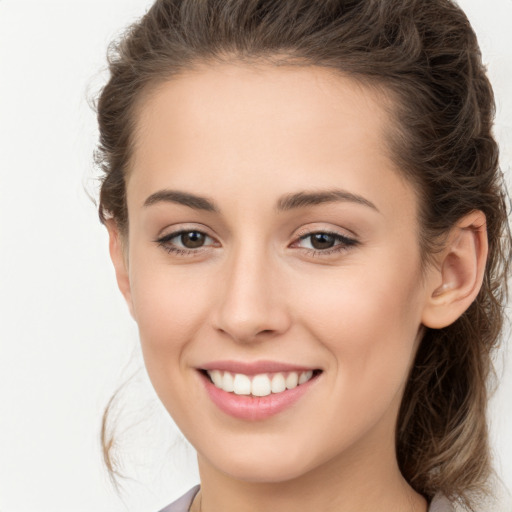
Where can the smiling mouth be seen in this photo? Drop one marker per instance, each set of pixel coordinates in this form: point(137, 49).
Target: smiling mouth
point(259, 385)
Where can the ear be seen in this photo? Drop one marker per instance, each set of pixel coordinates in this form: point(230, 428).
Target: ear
point(455, 282)
point(119, 258)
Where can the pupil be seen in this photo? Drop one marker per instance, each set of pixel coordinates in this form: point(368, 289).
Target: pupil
point(322, 241)
point(192, 239)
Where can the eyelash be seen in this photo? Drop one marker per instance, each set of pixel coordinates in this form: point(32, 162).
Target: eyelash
point(344, 243)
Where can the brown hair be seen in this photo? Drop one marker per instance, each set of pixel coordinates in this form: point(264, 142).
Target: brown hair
point(426, 56)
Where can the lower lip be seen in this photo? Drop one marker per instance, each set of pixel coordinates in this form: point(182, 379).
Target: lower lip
point(251, 408)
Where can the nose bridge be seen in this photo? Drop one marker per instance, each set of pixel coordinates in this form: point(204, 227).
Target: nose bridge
point(251, 305)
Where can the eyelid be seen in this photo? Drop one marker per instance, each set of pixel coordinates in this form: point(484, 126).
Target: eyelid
point(180, 227)
point(334, 234)
point(337, 231)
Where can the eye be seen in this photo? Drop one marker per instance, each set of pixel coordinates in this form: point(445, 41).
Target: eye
point(322, 242)
point(185, 241)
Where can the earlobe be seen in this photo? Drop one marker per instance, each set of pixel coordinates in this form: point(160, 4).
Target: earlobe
point(455, 282)
point(120, 261)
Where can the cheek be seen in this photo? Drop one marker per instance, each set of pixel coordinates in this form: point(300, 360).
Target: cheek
point(368, 318)
point(169, 306)
point(368, 322)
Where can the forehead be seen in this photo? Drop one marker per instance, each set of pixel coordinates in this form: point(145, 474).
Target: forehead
point(249, 128)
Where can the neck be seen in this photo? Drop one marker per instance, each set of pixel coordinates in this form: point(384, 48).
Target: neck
point(360, 482)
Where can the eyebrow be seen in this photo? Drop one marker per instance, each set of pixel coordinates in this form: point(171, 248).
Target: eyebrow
point(184, 198)
point(284, 203)
point(301, 199)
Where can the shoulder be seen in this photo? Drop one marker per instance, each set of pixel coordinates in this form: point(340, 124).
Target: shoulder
point(182, 504)
point(440, 504)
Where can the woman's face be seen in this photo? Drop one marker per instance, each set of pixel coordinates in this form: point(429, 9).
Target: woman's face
point(271, 239)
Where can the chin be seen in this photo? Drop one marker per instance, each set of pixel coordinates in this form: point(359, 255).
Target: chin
point(268, 472)
point(264, 466)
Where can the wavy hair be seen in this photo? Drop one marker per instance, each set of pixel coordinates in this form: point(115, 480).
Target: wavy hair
point(425, 55)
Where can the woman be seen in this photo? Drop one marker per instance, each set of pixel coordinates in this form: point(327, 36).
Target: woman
point(307, 222)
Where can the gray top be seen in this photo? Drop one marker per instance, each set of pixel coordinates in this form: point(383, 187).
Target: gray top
point(439, 503)
point(182, 504)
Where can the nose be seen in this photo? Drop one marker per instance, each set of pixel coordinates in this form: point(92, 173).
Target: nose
point(251, 304)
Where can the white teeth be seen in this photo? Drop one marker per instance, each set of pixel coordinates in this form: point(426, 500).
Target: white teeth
point(227, 382)
point(278, 383)
point(292, 380)
point(258, 385)
point(216, 376)
point(305, 376)
point(242, 384)
point(261, 385)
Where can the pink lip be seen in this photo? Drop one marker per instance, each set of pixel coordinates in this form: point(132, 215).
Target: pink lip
point(255, 408)
point(255, 367)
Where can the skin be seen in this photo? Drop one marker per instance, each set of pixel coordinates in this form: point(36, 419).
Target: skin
point(244, 137)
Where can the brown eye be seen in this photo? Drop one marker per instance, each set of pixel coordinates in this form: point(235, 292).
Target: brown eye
point(185, 242)
point(322, 241)
point(326, 243)
point(192, 239)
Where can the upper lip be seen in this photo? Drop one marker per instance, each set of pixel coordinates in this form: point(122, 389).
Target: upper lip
point(254, 367)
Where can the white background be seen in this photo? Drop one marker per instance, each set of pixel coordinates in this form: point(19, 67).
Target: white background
point(66, 339)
